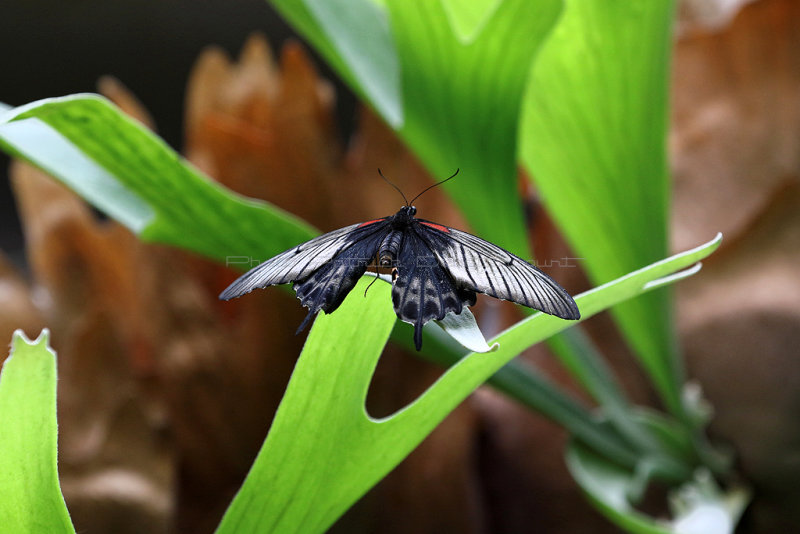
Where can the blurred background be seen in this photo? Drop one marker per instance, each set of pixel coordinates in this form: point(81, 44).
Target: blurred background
point(159, 421)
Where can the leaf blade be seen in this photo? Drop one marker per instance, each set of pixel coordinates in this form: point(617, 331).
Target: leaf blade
point(32, 500)
point(593, 138)
point(131, 174)
point(362, 450)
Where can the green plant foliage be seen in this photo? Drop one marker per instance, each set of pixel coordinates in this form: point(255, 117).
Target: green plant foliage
point(450, 76)
point(322, 445)
point(462, 74)
point(133, 176)
point(699, 506)
point(593, 138)
point(168, 202)
point(348, 25)
point(371, 72)
point(30, 496)
point(462, 100)
point(324, 451)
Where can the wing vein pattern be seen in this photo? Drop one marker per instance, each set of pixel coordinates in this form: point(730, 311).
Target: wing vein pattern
point(423, 291)
point(300, 262)
point(480, 266)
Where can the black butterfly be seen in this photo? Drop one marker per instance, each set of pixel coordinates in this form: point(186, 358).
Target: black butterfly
point(435, 270)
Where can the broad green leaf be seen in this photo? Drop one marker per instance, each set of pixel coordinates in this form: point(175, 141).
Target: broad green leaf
point(462, 100)
point(467, 18)
point(593, 137)
point(353, 38)
point(133, 176)
point(319, 448)
point(324, 451)
point(699, 506)
point(30, 495)
point(463, 69)
point(348, 25)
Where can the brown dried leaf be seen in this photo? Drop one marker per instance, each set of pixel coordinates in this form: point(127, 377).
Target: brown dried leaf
point(17, 307)
point(736, 120)
point(265, 133)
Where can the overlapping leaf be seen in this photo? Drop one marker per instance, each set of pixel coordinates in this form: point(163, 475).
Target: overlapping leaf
point(324, 451)
point(133, 176)
point(593, 137)
point(462, 74)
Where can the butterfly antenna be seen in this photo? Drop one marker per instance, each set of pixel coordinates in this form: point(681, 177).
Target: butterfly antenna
point(390, 183)
point(434, 185)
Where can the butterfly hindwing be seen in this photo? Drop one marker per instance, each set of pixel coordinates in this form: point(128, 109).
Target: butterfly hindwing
point(326, 288)
point(423, 291)
point(300, 262)
point(481, 266)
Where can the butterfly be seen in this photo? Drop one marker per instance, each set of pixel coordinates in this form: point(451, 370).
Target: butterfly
point(435, 270)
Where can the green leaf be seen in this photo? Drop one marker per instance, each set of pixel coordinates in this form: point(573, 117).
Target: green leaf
point(462, 98)
point(320, 454)
point(132, 175)
point(607, 487)
point(324, 451)
point(578, 354)
point(593, 137)
point(338, 30)
point(348, 25)
point(463, 69)
point(699, 506)
point(30, 496)
point(467, 18)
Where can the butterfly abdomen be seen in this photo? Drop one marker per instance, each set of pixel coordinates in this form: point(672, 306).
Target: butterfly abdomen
point(389, 249)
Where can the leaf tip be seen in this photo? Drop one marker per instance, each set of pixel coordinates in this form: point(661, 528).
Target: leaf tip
point(19, 337)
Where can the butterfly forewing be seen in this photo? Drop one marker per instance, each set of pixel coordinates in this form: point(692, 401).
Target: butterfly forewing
point(301, 261)
point(486, 268)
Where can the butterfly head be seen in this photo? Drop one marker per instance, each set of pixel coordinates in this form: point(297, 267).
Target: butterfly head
point(406, 213)
point(403, 217)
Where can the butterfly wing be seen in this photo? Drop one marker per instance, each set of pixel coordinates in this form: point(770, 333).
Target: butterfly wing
point(423, 291)
point(481, 266)
point(323, 270)
point(326, 288)
point(301, 261)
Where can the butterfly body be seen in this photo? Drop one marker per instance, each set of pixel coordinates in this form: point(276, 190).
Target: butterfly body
point(436, 270)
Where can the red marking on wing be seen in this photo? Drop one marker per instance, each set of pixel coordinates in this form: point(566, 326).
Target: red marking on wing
point(369, 222)
point(436, 226)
